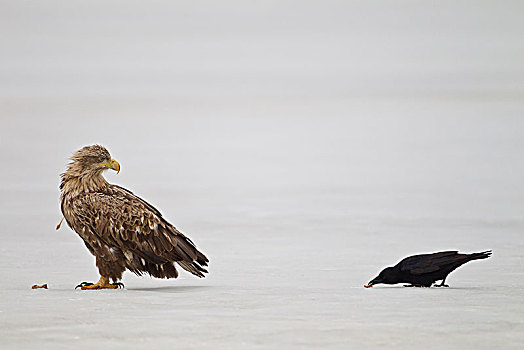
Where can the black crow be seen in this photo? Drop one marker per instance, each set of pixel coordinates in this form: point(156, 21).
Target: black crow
point(422, 270)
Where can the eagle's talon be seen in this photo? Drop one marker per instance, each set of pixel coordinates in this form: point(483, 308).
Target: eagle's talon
point(83, 284)
point(118, 284)
point(103, 283)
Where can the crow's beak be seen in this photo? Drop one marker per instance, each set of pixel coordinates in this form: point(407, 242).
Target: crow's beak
point(371, 283)
point(374, 281)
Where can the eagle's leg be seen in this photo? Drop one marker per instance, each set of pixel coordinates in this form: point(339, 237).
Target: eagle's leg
point(103, 283)
point(441, 283)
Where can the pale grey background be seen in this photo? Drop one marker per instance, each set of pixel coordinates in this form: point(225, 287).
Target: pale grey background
point(302, 145)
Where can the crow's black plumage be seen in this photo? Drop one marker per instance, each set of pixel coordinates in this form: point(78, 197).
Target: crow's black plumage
point(423, 270)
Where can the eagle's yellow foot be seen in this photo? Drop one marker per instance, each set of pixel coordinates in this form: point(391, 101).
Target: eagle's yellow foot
point(88, 285)
point(103, 283)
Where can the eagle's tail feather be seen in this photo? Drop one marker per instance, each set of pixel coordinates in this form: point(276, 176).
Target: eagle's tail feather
point(193, 267)
point(166, 270)
point(202, 259)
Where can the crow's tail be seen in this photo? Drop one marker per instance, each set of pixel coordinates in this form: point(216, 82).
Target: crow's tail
point(481, 255)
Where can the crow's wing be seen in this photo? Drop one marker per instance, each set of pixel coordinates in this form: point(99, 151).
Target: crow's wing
point(427, 263)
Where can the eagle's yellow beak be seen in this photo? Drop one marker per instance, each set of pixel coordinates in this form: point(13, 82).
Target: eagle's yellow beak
point(112, 164)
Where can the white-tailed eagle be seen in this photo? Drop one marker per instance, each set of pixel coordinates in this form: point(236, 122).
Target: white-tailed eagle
point(120, 229)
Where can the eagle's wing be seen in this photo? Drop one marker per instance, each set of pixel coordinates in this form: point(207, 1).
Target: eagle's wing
point(122, 220)
point(427, 263)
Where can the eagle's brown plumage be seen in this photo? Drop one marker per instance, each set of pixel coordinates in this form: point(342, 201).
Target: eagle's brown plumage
point(120, 229)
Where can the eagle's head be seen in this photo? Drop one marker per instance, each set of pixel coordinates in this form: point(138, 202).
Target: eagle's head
point(91, 160)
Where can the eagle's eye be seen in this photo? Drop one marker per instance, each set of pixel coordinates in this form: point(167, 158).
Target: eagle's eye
point(102, 158)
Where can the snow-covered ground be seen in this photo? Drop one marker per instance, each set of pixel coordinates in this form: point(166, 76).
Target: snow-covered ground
point(303, 146)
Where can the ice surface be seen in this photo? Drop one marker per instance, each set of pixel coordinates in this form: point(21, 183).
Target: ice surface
point(303, 146)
